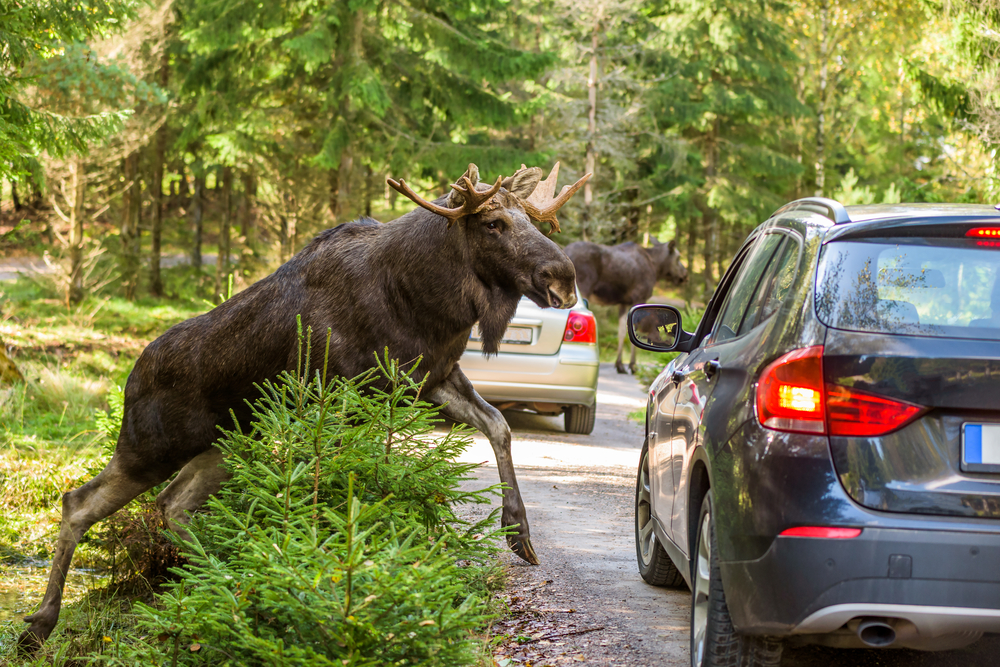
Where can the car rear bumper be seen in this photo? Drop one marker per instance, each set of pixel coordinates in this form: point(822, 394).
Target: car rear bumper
point(939, 581)
point(566, 378)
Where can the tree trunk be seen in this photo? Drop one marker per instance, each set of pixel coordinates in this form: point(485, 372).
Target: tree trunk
point(9, 374)
point(333, 179)
point(13, 195)
point(130, 240)
point(248, 220)
point(222, 263)
point(197, 214)
point(156, 231)
point(340, 182)
point(183, 190)
point(709, 216)
point(824, 46)
point(692, 247)
point(591, 165)
point(369, 189)
point(78, 184)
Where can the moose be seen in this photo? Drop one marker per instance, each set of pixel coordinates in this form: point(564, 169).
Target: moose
point(414, 286)
point(624, 275)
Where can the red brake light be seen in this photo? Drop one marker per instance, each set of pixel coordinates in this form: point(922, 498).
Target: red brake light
point(580, 328)
point(821, 531)
point(790, 392)
point(792, 396)
point(857, 413)
point(984, 232)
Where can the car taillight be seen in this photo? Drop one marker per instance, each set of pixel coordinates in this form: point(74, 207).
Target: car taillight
point(790, 392)
point(857, 413)
point(821, 531)
point(792, 396)
point(580, 328)
point(984, 232)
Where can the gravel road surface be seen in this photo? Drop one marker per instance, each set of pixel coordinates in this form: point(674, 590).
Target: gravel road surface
point(586, 602)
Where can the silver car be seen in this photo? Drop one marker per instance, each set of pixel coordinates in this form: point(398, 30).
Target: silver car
point(547, 364)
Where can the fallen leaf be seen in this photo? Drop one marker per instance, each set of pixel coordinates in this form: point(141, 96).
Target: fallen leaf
point(195, 647)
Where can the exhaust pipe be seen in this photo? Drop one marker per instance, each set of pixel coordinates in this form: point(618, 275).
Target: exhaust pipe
point(876, 632)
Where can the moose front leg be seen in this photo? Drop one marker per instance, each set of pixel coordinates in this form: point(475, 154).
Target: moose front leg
point(461, 402)
point(623, 339)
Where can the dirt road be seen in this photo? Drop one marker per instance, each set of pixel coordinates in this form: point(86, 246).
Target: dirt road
point(586, 602)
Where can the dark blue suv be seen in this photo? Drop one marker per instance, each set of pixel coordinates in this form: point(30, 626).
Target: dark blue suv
point(822, 461)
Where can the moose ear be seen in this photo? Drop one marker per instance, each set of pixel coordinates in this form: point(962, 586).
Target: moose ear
point(671, 245)
point(523, 182)
point(455, 199)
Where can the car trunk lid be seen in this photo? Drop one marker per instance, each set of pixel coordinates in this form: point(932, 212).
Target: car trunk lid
point(533, 330)
point(917, 321)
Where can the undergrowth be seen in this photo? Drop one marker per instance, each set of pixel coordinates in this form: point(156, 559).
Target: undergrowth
point(335, 542)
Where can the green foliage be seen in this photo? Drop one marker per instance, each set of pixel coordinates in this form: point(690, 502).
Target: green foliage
point(48, 32)
point(335, 542)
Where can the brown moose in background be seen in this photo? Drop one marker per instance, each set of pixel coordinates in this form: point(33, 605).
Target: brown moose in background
point(624, 275)
point(415, 285)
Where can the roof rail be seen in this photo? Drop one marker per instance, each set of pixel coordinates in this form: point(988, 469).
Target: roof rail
point(830, 208)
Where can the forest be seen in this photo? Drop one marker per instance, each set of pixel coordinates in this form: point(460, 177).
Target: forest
point(158, 156)
point(230, 132)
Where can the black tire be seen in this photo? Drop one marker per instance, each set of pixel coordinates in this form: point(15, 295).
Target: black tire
point(655, 565)
point(580, 419)
point(714, 641)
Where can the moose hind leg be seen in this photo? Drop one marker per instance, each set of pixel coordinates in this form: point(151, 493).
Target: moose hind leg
point(622, 337)
point(203, 476)
point(461, 402)
point(99, 498)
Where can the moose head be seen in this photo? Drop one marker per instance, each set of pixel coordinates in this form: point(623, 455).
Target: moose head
point(506, 251)
point(668, 261)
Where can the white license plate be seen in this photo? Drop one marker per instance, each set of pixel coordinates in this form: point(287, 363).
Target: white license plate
point(513, 335)
point(981, 447)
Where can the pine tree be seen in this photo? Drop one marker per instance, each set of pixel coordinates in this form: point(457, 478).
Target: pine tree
point(43, 33)
point(726, 95)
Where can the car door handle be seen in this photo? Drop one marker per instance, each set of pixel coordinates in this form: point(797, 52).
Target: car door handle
point(711, 368)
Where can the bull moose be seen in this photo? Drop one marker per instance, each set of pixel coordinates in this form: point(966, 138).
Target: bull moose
point(624, 275)
point(415, 285)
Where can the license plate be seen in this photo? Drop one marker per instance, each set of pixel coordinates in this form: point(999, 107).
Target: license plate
point(981, 447)
point(513, 335)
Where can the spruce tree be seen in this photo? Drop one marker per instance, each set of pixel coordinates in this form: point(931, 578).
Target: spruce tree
point(726, 95)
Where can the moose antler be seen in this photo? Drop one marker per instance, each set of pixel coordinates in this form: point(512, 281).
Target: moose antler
point(541, 206)
point(473, 200)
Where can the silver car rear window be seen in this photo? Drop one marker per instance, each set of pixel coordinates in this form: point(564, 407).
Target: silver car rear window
point(948, 288)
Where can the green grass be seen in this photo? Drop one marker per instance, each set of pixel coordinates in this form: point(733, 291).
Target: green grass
point(71, 358)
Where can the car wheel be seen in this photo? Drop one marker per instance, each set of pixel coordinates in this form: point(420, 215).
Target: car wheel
point(714, 642)
point(580, 419)
point(655, 565)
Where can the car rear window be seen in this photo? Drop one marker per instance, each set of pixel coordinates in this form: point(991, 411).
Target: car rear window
point(946, 288)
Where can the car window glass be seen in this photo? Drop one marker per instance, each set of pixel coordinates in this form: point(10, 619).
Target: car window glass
point(707, 323)
point(774, 286)
point(942, 287)
point(754, 312)
point(745, 288)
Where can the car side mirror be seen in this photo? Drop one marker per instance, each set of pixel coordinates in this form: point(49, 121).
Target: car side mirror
point(657, 328)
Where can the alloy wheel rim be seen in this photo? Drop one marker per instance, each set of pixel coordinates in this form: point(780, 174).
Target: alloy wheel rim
point(643, 515)
point(702, 582)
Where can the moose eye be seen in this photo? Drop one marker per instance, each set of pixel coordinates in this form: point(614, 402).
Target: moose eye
point(492, 225)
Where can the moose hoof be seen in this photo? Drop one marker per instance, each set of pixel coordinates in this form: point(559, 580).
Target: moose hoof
point(621, 369)
point(521, 546)
point(28, 643)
